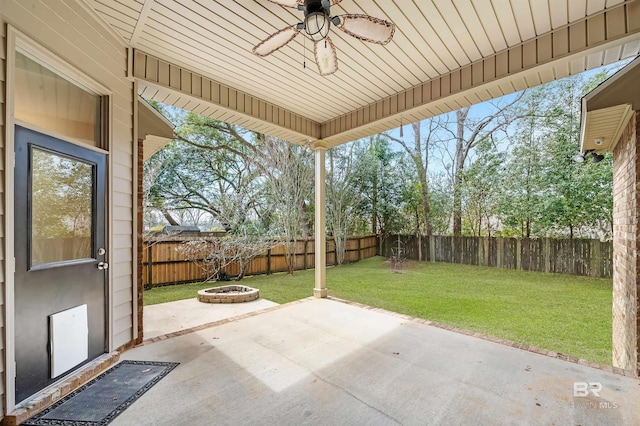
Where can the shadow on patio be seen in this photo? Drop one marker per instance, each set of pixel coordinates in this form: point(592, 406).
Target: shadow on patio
point(326, 362)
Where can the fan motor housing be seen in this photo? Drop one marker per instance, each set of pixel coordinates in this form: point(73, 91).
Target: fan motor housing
point(314, 6)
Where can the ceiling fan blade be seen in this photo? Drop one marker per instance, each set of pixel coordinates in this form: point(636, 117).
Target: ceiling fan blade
point(275, 41)
point(326, 59)
point(288, 3)
point(367, 28)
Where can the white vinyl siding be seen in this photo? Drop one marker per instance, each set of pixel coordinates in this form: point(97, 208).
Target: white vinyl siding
point(3, 57)
point(68, 29)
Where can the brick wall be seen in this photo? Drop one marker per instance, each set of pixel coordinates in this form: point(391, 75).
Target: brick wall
point(139, 260)
point(626, 237)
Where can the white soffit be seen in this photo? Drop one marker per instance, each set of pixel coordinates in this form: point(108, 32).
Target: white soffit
point(606, 110)
point(153, 129)
point(443, 41)
point(603, 128)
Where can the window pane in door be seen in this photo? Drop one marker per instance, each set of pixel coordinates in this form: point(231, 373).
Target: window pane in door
point(53, 102)
point(61, 208)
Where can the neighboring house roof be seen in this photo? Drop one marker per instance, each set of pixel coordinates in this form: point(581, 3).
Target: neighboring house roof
point(153, 128)
point(606, 110)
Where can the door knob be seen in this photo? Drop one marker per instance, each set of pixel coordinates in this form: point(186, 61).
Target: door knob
point(103, 265)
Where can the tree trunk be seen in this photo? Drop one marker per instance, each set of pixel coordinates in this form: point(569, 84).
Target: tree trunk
point(290, 257)
point(422, 166)
point(169, 218)
point(457, 202)
point(307, 224)
point(461, 116)
point(374, 195)
point(426, 207)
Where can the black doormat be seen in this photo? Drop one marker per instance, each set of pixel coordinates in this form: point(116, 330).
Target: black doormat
point(102, 399)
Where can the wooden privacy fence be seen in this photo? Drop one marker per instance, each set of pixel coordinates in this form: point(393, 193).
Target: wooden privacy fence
point(162, 264)
point(576, 256)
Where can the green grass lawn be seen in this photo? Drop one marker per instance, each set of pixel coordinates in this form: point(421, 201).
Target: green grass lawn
point(563, 313)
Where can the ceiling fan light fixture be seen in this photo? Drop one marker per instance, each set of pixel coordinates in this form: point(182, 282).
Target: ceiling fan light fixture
point(317, 25)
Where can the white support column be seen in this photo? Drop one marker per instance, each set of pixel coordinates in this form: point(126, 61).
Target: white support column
point(320, 290)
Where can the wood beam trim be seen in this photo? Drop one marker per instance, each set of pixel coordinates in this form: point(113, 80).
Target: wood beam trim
point(153, 70)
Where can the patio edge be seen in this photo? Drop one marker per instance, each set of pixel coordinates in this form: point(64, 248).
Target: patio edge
point(505, 342)
point(218, 322)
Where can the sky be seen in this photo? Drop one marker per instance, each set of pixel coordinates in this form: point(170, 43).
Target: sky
point(437, 164)
point(484, 108)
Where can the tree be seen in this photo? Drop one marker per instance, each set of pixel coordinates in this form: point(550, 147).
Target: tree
point(548, 194)
point(238, 177)
point(205, 168)
point(467, 131)
point(381, 183)
point(419, 153)
point(61, 192)
point(441, 203)
point(214, 255)
point(342, 197)
point(289, 189)
point(572, 189)
point(521, 199)
point(480, 188)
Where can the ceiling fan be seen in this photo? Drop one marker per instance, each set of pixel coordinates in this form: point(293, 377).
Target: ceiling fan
point(316, 24)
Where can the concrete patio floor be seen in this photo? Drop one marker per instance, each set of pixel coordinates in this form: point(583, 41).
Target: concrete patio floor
point(165, 318)
point(326, 362)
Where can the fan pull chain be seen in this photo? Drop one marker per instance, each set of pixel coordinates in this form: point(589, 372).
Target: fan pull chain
point(304, 53)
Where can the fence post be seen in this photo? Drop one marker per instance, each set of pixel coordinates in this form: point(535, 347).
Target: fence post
point(432, 248)
point(454, 255)
point(486, 251)
point(547, 255)
point(306, 252)
point(269, 262)
point(500, 249)
point(149, 264)
point(359, 249)
point(518, 255)
point(596, 259)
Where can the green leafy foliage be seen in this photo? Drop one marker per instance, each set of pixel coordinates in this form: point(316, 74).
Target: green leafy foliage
point(504, 170)
point(546, 192)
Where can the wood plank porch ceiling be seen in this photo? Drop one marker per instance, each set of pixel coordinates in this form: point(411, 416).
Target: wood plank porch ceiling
point(196, 54)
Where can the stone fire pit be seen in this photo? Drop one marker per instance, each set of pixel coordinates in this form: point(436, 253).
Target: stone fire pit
point(228, 294)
